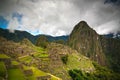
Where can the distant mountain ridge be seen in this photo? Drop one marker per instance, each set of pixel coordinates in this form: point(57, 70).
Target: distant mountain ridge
point(17, 36)
point(112, 35)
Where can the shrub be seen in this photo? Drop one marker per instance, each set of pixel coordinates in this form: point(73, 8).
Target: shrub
point(64, 59)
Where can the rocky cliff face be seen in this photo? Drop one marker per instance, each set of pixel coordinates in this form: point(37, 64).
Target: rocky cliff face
point(86, 41)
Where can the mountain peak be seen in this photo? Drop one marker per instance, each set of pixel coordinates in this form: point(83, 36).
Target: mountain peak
point(83, 26)
point(83, 22)
point(86, 41)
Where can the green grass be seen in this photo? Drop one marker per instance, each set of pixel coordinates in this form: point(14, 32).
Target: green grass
point(26, 59)
point(36, 73)
point(53, 78)
point(15, 63)
point(2, 69)
point(15, 74)
point(26, 68)
point(43, 55)
point(3, 56)
point(76, 61)
point(39, 50)
point(101, 73)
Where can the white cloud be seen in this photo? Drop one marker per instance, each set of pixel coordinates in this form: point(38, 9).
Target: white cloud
point(109, 27)
point(58, 17)
point(12, 24)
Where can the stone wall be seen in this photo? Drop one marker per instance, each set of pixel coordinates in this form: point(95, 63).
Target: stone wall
point(7, 61)
point(48, 77)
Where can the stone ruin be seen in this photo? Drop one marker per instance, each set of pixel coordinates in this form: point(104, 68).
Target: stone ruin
point(28, 72)
point(48, 77)
point(7, 61)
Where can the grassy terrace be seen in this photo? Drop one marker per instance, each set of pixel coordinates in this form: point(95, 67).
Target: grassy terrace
point(15, 63)
point(3, 56)
point(79, 62)
point(2, 69)
point(40, 53)
point(37, 73)
point(43, 55)
point(15, 74)
point(39, 50)
point(26, 59)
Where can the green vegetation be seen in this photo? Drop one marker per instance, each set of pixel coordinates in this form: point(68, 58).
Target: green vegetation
point(15, 63)
point(43, 55)
point(3, 56)
point(3, 70)
point(42, 42)
point(39, 49)
point(15, 74)
point(59, 53)
point(105, 73)
point(80, 62)
point(64, 59)
point(38, 73)
point(101, 73)
point(26, 59)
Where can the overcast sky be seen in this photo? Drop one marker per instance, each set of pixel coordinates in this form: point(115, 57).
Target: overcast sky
point(58, 17)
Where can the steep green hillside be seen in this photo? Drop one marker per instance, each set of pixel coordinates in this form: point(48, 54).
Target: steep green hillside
point(101, 73)
point(86, 41)
point(111, 48)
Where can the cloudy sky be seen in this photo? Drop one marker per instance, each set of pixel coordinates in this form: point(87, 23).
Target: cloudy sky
point(58, 17)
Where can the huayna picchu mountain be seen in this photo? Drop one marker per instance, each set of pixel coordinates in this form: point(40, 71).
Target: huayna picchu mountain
point(86, 41)
point(104, 50)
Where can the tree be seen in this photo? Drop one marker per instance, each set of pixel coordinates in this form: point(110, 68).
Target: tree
point(65, 59)
point(42, 41)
